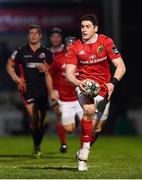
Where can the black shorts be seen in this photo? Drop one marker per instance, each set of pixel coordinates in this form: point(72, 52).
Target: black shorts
point(39, 99)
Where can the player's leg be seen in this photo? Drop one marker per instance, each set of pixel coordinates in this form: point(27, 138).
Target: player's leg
point(79, 113)
point(59, 128)
point(41, 104)
point(33, 114)
point(87, 129)
point(39, 130)
point(73, 115)
point(68, 115)
point(100, 119)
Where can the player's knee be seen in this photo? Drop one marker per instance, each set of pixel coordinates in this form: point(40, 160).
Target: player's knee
point(100, 126)
point(98, 130)
point(89, 111)
point(69, 129)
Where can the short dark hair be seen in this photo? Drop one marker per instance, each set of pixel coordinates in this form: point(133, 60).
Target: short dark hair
point(56, 30)
point(35, 26)
point(70, 39)
point(90, 17)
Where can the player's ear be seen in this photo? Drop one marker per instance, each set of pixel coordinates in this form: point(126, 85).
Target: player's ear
point(96, 28)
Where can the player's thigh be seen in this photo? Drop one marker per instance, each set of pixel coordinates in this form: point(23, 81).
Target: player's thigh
point(78, 110)
point(57, 109)
point(31, 110)
point(86, 103)
point(67, 112)
point(69, 128)
point(102, 108)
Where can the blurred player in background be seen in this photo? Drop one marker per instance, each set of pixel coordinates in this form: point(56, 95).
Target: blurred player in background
point(57, 71)
point(91, 55)
point(26, 66)
point(57, 48)
point(68, 106)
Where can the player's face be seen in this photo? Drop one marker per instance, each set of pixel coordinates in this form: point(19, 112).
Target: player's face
point(88, 30)
point(56, 39)
point(34, 36)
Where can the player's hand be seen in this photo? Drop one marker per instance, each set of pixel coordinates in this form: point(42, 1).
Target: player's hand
point(110, 87)
point(82, 85)
point(21, 84)
point(53, 95)
point(43, 67)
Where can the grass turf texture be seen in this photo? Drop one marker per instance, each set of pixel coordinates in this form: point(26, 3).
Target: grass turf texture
point(110, 157)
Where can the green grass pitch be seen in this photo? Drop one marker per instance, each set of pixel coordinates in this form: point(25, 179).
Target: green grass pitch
point(110, 157)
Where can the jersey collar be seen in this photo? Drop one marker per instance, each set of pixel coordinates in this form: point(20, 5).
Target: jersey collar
point(91, 42)
point(59, 49)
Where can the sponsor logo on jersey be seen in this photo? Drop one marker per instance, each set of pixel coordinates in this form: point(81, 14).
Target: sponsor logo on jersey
point(32, 65)
point(94, 61)
point(82, 52)
point(27, 56)
point(100, 49)
point(30, 100)
point(92, 56)
point(42, 55)
point(115, 50)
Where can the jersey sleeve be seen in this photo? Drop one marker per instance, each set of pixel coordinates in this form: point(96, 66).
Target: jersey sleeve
point(71, 57)
point(111, 49)
point(49, 56)
point(16, 56)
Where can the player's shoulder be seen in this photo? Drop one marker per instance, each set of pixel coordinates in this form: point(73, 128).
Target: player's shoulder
point(19, 49)
point(16, 50)
point(45, 48)
point(77, 43)
point(103, 39)
point(22, 49)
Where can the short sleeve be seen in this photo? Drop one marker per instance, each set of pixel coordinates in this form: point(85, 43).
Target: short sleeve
point(71, 57)
point(111, 49)
point(16, 56)
point(49, 56)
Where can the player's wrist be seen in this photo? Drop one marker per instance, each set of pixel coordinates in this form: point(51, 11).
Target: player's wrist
point(114, 81)
point(16, 79)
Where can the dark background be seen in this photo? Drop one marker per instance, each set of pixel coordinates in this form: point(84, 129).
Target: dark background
point(119, 19)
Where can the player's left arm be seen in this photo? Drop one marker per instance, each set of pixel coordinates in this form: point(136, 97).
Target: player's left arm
point(117, 61)
point(48, 78)
point(118, 74)
point(49, 85)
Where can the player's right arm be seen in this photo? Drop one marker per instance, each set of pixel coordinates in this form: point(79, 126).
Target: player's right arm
point(70, 74)
point(71, 65)
point(10, 67)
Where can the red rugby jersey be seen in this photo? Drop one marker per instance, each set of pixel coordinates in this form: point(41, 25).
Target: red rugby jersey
point(57, 70)
point(92, 59)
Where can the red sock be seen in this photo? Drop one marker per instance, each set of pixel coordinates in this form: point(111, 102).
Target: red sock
point(81, 142)
point(93, 139)
point(87, 130)
point(61, 132)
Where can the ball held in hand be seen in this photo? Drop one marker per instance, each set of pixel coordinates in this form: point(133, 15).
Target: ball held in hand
point(92, 88)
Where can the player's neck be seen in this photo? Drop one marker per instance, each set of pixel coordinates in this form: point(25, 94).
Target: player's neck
point(57, 49)
point(34, 47)
point(93, 39)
